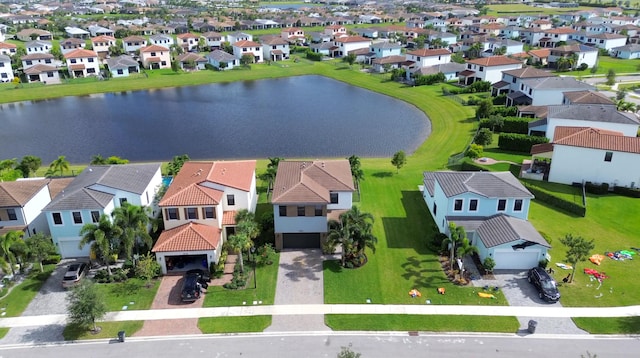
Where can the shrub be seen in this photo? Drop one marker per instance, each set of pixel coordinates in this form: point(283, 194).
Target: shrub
point(52, 259)
point(475, 151)
point(500, 100)
point(556, 201)
point(313, 56)
point(484, 137)
point(472, 167)
point(265, 254)
point(543, 263)
point(117, 275)
point(515, 125)
point(239, 279)
point(601, 189)
point(519, 142)
point(429, 79)
point(583, 66)
point(505, 111)
point(488, 264)
point(632, 192)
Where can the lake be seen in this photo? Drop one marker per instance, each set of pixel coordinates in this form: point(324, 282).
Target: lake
point(295, 117)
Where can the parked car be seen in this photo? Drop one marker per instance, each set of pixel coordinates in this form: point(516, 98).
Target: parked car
point(191, 288)
point(203, 276)
point(75, 273)
point(546, 286)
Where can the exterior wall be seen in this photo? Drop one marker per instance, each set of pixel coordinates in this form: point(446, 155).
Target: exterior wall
point(133, 46)
point(45, 48)
point(492, 74)
point(543, 97)
point(212, 256)
point(484, 252)
point(125, 72)
point(33, 211)
point(429, 60)
point(487, 206)
point(255, 51)
point(346, 47)
point(90, 63)
point(163, 55)
point(182, 217)
point(386, 52)
point(6, 72)
point(627, 54)
point(629, 130)
point(573, 164)
point(267, 49)
point(345, 201)
point(299, 224)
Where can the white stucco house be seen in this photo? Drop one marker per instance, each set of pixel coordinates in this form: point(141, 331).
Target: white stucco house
point(493, 208)
point(428, 57)
point(275, 48)
point(131, 44)
point(199, 208)
point(344, 45)
point(102, 43)
point(306, 195)
point(98, 190)
point(123, 66)
point(38, 46)
point(163, 40)
point(6, 72)
point(82, 63)
point(545, 91)
point(21, 204)
point(216, 57)
point(241, 48)
point(488, 69)
point(46, 74)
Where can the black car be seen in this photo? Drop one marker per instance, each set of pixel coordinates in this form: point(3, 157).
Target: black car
point(203, 276)
point(191, 288)
point(546, 286)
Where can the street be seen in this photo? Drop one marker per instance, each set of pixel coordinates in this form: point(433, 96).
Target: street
point(324, 344)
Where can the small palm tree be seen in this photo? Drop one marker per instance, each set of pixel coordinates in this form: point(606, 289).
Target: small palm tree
point(247, 229)
point(59, 165)
point(6, 241)
point(354, 233)
point(103, 238)
point(133, 220)
point(465, 248)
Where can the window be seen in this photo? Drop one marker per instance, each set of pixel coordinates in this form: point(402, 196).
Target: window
point(435, 209)
point(517, 205)
point(318, 211)
point(608, 156)
point(57, 218)
point(300, 210)
point(231, 200)
point(153, 54)
point(49, 74)
point(473, 205)
point(28, 62)
point(209, 212)
point(91, 70)
point(282, 210)
point(481, 68)
point(122, 201)
point(45, 61)
point(172, 214)
point(1, 64)
point(95, 216)
point(164, 63)
point(333, 198)
point(529, 91)
point(120, 71)
point(12, 214)
point(191, 213)
point(90, 59)
point(502, 204)
point(77, 217)
point(513, 80)
point(73, 60)
point(457, 205)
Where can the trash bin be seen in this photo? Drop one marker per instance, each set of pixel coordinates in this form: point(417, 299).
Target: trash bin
point(121, 336)
point(532, 326)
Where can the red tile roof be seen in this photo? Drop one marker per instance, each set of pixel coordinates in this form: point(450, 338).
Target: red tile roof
point(595, 138)
point(350, 39)
point(246, 43)
point(561, 30)
point(7, 45)
point(311, 182)
point(541, 53)
point(154, 48)
point(187, 35)
point(426, 52)
point(494, 61)
point(80, 53)
point(103, 38)
point(229, 218)
point(18, 193)
point(188, 237)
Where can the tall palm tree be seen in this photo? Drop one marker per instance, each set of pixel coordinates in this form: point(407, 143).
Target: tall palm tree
point(354, 233)
point(456, 236)
point(6, 241)
point(59, 165)
point(134, 221)
point(103, 238)
point(465, 248)
point(247, 229)
point(272, 169)
point(356, 171)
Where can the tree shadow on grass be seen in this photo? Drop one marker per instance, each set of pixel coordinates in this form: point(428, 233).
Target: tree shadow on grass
point(629, 325)
point(413, 231)
point(332, 265)
point(382, 174)
point(423, 272)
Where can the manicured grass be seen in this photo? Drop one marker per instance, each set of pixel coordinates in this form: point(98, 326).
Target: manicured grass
point(209, 325)
point(21, 295)
point(606, 63)
point(267, 277)
point(132, 293)
point(625, 325)
point(566, 192)
point(4, 331)
point(430, 323)
point(108, 330)
point(516, 9)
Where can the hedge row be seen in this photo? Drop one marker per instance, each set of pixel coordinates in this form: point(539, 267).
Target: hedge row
point(601, 189)
point(556, 201)
point(621, 190)
point(472, 167)
point(510, 125)
point(519, 142)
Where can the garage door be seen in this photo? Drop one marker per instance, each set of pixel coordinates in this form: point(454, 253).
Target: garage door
point(301, 241)
point(69, 248)
point(512, 260)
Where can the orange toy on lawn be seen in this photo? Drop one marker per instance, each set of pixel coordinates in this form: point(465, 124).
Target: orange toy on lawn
point(415, 293)
point(441, 290)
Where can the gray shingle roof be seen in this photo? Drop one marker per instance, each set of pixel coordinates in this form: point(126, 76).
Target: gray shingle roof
point(124, 61)
point(502, 229)
point(79, 195)
point(557, 83)
point(592, 112)
point(221, 56)
point(487, 184)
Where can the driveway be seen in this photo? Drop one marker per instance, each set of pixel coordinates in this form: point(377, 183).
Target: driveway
point(52, 299)
point(519, 292)
point(300, 281)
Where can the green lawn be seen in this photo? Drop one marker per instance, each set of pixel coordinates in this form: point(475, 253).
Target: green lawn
point(108, 330)
point(433, 323)
point(209, 325)
point(21, 295)
point(625, 325)
point(516, 9)
point(3, 332)
point(132, 293)
point(606, 63)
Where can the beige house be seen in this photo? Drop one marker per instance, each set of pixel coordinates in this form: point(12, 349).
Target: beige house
point(155, 57)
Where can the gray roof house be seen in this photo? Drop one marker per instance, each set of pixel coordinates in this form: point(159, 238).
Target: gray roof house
point(123, 66)
point(493, 209)
point(545, 91)
point(97, 191)
point(217, 57)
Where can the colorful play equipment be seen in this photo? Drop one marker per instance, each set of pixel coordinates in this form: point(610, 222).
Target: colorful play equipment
point(415, 293)
point(596, 259)
point(441, 290)
point(486, 295)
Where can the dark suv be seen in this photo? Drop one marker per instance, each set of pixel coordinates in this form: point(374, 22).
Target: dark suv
point(546, 286)
point(191, 288)
point(203, 276)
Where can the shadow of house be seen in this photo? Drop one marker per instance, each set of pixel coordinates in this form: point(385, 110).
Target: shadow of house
point(415, 229)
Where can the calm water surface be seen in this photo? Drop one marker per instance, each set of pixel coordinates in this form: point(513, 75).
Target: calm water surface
point(309, 116)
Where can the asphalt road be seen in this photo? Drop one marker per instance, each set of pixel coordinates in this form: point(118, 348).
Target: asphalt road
point(329, 345)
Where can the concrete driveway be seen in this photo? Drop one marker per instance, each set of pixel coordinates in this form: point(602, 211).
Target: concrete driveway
point(519, 292)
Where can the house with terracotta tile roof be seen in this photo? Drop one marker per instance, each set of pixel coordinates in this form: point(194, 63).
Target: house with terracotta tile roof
point(199, 208)
point(188, 41)
point(347, 44)
point(8, 49)
point(583, 54)
point(512, 79)
point(293, 35)
point(488, 69)
point(102, 43)
point(82, 63)
point(155, 57)
point(39, 59)
point(96, 191)
point(246, 47)
point(21, 204)
point(274, 48)
point(581, 154)
point(306, 195)
point(428, 57)
point(46, 74)
point(71, 44)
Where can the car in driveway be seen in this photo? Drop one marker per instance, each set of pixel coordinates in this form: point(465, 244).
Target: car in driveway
point(203, 276)
point(191, 288)
point(75, 273)
point(545, 284)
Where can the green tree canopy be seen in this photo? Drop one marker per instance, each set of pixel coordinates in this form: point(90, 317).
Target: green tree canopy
point(174, 166)
point(86, 305)
point(29, 164)
point(133, 221)
point(103, 238)
point(40, 246)
point(578, 250)
point(399, 160)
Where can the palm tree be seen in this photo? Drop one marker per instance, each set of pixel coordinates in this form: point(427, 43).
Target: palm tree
point(247, 229)
point(98, 160)
point(6, 241)
point(134, 221)
point(103, 238)
point(456, 236)
point(272, 169)
point(465, 248)
point(356, 171)
point(354, 233)
point(59, 165)
point(475, 50)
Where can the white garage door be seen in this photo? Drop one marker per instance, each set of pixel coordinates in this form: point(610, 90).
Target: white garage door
point(512, 260)
point(69, 248)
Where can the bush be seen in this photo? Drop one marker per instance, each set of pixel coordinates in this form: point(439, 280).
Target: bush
point(488, 264)
point(583, 66)
point(484, 137)
point(601, 189)
point(519, 142)
point(429, 79)
point(117, 275)
point(239, 279)
point(217, 270)
point(631, 192)
point(515, 125)
point(500, 100)
point(475, 151)
point(313, 56)
point(52, 259)
point(472, 167)
point(556, 201)
point(265, 254)
point(505, 111)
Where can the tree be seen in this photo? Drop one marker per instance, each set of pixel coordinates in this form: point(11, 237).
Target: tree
point(133, 221)
point(147, 268)
point(175, 67)
point(272, 169)
point(114, 159)
point(399, 160)
point(356, 171)
point(621, 94)
point(98, 160)
point(578, 249)
point(103, 238)
point(247, 229)
point(29, 164)
point(611, 77)
point(484, 137)
point(465, 248)
point(456, 235)
point(86, 305)
point(247, 59)
point(474, 50)
point(6, 242)
point(500, 51)
point(346, 352)
point(474, 151)
point(59, 165)
point(353, 232)
point(350, 59)
point(496, 122)
point(485, 108)
point(40, 247)
point(176, 164)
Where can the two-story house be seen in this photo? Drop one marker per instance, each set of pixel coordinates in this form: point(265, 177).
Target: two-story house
point(98, 190)
point(346, 44)
point(222, 60)
point(131, 44)
point(38, 46)
point(239, 36)
point(213, 40)
point(274, 48)
point(306, 195)
point(488, 69)
point(606, 41)
point(199, 210)
point(101, 44)
point(543, 91)
point(21, 204)
point(582, 53)
point(188, 41)
point(82, 63)
point(155, 57)
point(385, 49)
point(38, 59)
point(335, 31)
point(163, 40)
point(242, 48)
point(493, 208)
point(512, 79)
point(71, 44)
point(8, 49)
point(6, 72)
point(293, 35)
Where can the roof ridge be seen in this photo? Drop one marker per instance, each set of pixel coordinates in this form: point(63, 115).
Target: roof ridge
point(8, 193)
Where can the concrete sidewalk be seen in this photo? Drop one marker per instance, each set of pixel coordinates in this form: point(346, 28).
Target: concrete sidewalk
point(319, 309)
